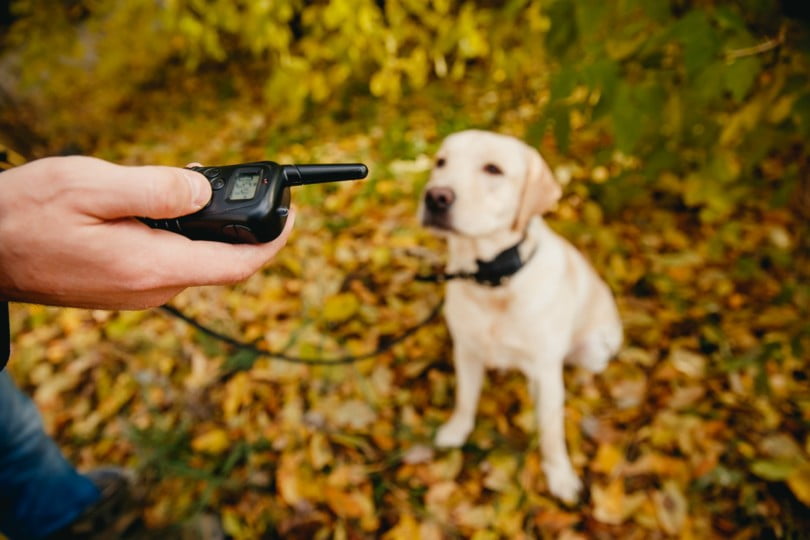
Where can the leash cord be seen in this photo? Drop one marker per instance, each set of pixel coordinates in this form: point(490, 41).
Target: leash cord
point(385, 345)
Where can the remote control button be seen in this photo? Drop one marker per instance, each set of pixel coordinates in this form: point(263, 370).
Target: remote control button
point(213, 172)
point(217, 183)
point(243, 233)
point(239, 233)
point(230, 232)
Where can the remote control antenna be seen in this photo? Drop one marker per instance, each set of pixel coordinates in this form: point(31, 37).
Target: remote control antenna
point(298, 175)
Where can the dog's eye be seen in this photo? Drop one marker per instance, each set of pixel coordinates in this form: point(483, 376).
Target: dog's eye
point(440, 162)
point(491, 168)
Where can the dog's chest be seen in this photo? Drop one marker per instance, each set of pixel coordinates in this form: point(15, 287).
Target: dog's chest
point(487, 323)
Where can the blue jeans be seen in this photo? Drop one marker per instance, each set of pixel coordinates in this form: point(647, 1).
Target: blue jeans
point(40, 492)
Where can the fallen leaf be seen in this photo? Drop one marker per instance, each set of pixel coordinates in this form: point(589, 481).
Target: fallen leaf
point(355, 414)
point(418, 453)
point(607, 457)
point(340, 307)
point(799, 482)
point(687, 362)
point(771, 469)
point(320, 451)
point(671, 508)
point(214, 441)
point(611, 504)
point(406, 528)
point(475, 517)
point(500, 471)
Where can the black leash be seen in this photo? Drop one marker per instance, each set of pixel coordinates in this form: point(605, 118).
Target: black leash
point(489, 273)
point(385, 346)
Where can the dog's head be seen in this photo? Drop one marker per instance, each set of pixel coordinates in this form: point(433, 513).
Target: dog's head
point(483, 183)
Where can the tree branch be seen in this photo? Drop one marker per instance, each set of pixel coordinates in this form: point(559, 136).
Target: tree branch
point(763, 47)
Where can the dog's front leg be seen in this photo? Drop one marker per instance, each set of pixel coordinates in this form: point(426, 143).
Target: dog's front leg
point(469, 377)
point(549, 396)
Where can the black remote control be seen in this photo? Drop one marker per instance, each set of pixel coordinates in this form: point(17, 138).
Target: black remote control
point(250, 201)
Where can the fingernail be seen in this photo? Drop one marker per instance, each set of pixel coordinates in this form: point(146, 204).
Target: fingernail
point(200, 195)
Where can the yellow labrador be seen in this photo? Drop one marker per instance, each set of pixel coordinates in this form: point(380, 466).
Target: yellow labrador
point(527, 299)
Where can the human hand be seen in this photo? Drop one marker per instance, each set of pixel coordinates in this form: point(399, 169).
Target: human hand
point(69, 237)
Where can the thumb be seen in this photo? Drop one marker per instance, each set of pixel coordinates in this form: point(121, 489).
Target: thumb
point(150, 191)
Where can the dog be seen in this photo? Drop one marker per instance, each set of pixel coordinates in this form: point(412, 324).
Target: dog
point(525, 298)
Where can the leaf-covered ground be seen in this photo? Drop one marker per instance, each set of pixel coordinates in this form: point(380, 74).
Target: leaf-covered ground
point(698, 429)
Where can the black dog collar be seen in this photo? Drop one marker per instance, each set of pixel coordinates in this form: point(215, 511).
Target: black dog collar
point(492, 273)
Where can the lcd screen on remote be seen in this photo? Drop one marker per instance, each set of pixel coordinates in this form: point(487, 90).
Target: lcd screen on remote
point(244, 187)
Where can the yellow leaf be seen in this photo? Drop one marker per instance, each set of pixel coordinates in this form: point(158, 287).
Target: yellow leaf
point(354, 414)
point(47, 394)
point(237, 394)
point(477, 517)
point(295, 480)
point(439, 495)
point(340, 307)
point(381, 256)
point(232, 524)
point(352, 504)
point(320, 453)
point(687, 362)
point(215, 441)
point(446, 467)
point(500, 472)
point(744, 120)
point(509, 517)
point(671, 508)
point(406, 529)
point(607, 458)
point(485, 535)
point(799, 483)
point(612, 505)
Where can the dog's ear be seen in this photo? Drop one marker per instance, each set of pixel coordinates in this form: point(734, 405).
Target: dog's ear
point(540, 190)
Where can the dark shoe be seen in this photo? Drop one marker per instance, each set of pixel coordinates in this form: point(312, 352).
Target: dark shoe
point(112, 516)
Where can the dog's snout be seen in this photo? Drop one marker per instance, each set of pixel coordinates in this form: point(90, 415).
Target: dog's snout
point(439, 199)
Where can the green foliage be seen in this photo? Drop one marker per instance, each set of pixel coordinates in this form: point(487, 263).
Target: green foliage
point(704, 93)
point(290, 56)
point(672, 84)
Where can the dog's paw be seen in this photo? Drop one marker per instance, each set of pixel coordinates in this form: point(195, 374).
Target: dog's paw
point(593, 353)
point(453, 434)
point(563, 482)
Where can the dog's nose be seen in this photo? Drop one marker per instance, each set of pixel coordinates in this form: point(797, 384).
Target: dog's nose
point(439, 199)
